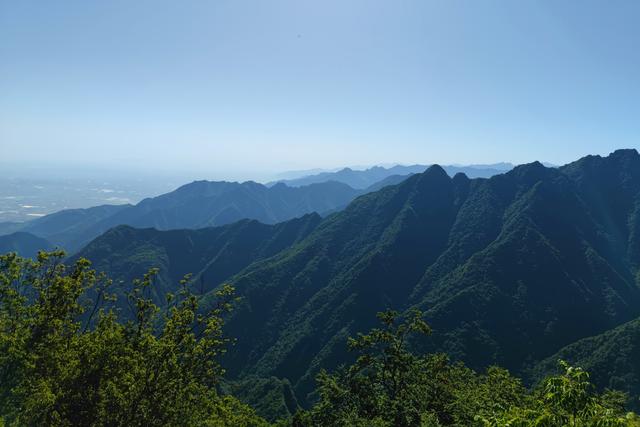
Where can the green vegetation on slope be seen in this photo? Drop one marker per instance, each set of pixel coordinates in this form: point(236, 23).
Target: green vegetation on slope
point(162, 367)
point(211, 254)
point(612, 358)
point(390, 386)
point(508, 270)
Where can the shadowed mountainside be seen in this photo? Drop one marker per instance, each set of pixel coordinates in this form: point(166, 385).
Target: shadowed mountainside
point(211, 254)
point(612, 358)
point(509, 270)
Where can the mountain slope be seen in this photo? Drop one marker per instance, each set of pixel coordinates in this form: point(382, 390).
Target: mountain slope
point(25, 244)
point(612, 358)
point(211, 254)
point(509, 270)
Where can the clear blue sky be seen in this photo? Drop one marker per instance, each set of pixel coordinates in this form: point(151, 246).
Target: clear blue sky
point(256, 86)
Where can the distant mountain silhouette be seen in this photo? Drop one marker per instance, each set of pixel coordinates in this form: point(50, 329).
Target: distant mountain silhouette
point(208, 203)
point(195, 205)
point(362, 179)
point(390, 180)
point(9, 227)
point(68, 228)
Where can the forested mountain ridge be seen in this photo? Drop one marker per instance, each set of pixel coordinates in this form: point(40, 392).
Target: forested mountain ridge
point(509, 269)
point(612, 358)
point(210, 254)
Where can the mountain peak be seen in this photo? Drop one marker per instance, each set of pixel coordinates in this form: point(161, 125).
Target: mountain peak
point(253, 185)
point(279, 185)
point(435, 177)
point(460, 177)
point(435, 170)
point(530, 173)
point(625, 153)
point(528, 168)
point(619, 160)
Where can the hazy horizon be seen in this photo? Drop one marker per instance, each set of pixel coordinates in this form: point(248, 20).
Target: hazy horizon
point(31, 192)
point(177, 176)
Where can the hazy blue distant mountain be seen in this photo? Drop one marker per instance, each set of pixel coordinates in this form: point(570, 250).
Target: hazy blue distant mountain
point(478, 171)
point(300, 173)
point(10, 227)
point(69, 228)
point(207, 203)
point(195, 205)
point(25, 244)
point(390, 180)
point(362, 179)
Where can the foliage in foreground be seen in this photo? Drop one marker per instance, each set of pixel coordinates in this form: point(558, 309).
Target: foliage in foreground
point(390, 386)
point(64, 361)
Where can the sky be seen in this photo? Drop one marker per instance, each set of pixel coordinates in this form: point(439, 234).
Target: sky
point(245, 88)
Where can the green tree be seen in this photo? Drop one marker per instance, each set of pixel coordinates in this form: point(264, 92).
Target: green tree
point(568, 399)
point(387, 385)
point(66, 361)
point(390, 386)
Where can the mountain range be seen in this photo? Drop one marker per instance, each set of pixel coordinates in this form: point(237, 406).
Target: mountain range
point(211, 254)
point(196, 205)
point(206, 203)
point(361, 179)
point(510, 270)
